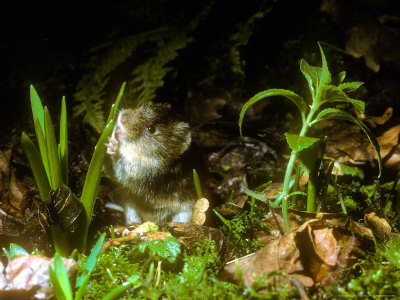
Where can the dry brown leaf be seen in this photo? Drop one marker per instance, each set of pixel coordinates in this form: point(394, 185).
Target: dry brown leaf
point(325, 245)
point(280, 254)
point(17, 190)
point(26, 272)
point(319, 247)
point(389, 147)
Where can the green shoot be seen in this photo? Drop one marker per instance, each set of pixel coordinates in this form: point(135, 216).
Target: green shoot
point(306, 150)
point(197, 184)
point(60, 280)
point(49, 163)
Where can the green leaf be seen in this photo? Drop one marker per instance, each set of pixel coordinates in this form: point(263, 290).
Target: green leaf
point(7, 254)
point(298, 143)
point(63, 146)
point(42, 148)
point(342, 76)
point(296, 193)
point(83, 279)
point(52, 151)
point(333, 113)
point(325, 74)
point(119, 290)
point(350, 86)
point(312, 74)
point(259, 197)
point(350, 170)
point(114, 107)
point(296, 99)
point(17, 250)
point(93, 176)
point(60, 280)
point(197, 184)
point(37, 108)
point(168, 249)
point(310, 157)
point(332, 93)
point(36, 164)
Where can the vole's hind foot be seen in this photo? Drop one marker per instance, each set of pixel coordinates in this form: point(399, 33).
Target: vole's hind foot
point(112, 146)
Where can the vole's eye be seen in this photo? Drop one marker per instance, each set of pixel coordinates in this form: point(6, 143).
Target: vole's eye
point(151, 128)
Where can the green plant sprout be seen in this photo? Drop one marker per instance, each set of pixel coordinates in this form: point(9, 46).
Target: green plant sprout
point(306, 150)
point(197, 184)
point(59, 277)
point(49, 164)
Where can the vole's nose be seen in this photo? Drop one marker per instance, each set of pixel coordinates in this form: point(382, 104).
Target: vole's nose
point(123, 119)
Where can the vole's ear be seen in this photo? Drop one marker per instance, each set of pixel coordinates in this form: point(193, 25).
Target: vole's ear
point(186, 135)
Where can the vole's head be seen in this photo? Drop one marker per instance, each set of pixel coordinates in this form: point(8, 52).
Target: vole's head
point(151, 135)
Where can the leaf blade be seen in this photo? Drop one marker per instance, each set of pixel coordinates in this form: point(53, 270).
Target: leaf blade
point(64, 142)
point(296, 99)
point(334, 113)
point(36, 164)
point(52, 151)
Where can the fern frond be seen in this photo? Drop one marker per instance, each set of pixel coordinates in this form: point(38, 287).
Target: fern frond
point(149, 76)
point(91, 88)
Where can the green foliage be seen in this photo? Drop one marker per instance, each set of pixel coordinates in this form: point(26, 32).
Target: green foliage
point(48, 161)
point(197, 184)
point(15, 251)
point(120, 273)
point(242, 229)
point(372, 276)
point(168, 249)
point(149, 76)
point(60, 280)
point(50, 158)
point(309, 151)
point(59, 276)
point(49, 164)
point(88, 267)
point(393, 251)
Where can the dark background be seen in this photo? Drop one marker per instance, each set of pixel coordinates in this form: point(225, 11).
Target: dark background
point(48, 43)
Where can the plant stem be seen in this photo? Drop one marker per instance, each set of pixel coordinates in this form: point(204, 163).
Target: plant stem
point(289, 171)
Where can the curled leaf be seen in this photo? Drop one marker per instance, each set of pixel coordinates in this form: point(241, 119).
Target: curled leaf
point(296, 99)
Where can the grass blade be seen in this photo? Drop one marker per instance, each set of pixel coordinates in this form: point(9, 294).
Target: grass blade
point(63, 142)
point(117, 292)
point(197, 184)
point(88, 268)
point(93, 176)
point(52, 151)
point(114, 107)
point(37, 108)
point(60, 280)
point(36, 164)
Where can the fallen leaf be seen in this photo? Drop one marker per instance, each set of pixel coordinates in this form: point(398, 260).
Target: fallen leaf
point(25, 272)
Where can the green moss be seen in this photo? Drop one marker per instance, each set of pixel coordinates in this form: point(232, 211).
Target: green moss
point(194, 278)
point(377, 275)
point(242, 229)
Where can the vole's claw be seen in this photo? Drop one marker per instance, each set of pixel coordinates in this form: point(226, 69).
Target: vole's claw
point(112, 146)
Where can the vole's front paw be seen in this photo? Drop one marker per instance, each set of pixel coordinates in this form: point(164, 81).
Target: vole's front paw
point(112, 146)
